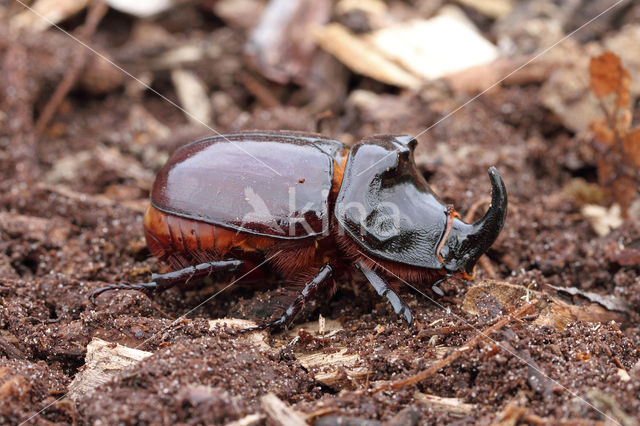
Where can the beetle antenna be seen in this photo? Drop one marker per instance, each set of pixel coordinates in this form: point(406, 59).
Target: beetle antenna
point(121, 286)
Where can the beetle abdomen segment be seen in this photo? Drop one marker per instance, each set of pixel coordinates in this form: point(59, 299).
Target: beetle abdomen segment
point(168, 234)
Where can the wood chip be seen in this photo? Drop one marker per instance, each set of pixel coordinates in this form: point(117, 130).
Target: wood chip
point(258, 338)
point(459, 44)
point(193, 95)
point(335, 370)
point(361, 57)
point(280, 413)
point(624, 376)
point(47, 12)
point(102, 362)
point(455, 407)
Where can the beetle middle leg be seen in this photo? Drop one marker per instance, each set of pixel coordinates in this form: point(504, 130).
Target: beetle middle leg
point(384, 289)
point(181, 276)
point(309, 290)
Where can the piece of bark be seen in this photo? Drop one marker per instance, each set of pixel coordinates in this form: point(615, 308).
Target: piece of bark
point(103, 361)
point(455, 407)
point(280, 413)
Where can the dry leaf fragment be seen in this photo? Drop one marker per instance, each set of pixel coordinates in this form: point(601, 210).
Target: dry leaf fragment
point(609, 76)
point(618, 144)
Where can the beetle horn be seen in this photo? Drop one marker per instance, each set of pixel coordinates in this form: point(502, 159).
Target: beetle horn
point(489, 226)
point(467, 242)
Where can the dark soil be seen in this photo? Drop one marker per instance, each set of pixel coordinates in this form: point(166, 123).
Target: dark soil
point(71, 207)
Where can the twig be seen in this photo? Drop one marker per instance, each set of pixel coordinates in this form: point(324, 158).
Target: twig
point(94, 16)
point(437, 366)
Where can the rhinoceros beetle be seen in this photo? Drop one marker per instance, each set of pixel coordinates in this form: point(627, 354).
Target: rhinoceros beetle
point(315, 208)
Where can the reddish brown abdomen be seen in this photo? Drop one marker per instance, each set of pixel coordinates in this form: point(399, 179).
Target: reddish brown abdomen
point(167, 234)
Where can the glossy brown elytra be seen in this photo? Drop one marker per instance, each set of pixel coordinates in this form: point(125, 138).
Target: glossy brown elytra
point(315, 208)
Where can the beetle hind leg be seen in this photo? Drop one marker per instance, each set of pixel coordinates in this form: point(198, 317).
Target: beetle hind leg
point(384, 289)
point(170, 279)
point(309, 290)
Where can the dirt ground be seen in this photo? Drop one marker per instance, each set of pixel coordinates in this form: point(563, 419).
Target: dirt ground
point(74, 187)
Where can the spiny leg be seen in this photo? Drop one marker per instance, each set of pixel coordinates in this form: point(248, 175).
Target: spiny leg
point(384, 290)
point(309, 290)
point(170, 279)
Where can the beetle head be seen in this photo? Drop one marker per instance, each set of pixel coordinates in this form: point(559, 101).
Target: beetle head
point(467, 242)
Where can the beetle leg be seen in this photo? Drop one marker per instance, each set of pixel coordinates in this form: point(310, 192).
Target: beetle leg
point(309, 290)
point(170, 279)
point(437, 290)
point(384, 289)
point(201, 270)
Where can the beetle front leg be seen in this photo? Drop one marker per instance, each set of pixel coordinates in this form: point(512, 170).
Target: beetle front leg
point(309, 290)
point(384, 289)
point(181, 276)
